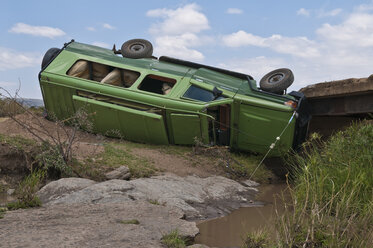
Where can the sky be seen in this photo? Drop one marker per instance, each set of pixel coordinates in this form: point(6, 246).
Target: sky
point(318, 40)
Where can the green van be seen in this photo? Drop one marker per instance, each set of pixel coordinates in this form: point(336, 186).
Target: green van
point(171, 101)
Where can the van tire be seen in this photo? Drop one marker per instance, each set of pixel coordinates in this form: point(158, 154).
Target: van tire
point(277, 81)
point(49, 56)
point(137, 48)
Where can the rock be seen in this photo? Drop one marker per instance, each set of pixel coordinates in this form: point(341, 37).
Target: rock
point(10, 191)
point(198, 246)
point(57, 189)
point(113, 191)
point(120, 173)
point(2, 181)
point(250, 183)
point(93, 225)
point(196, 197)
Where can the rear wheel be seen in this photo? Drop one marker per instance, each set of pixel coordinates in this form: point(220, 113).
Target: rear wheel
point(277, 81)
point(137, 48)
point(49, 56)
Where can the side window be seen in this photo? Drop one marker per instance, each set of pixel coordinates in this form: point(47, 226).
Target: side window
point(103, 73)
point(200, 94)
point(157, 84)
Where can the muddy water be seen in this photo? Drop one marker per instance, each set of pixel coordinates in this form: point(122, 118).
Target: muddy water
point(229, 231)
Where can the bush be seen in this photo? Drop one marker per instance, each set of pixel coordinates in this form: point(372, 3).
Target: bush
point(51, 160)
point(26, 191)
point(333, 193)
point(257, 239)
point(338, 168)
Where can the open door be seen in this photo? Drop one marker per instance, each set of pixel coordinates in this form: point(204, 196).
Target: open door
point(132, 124)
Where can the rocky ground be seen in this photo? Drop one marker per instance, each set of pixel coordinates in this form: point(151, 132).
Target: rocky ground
point(79, 212)
point(198, 198)
point(93, 225)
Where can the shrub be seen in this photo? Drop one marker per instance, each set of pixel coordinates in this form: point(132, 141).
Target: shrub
point(26, 191)
point(51, 160)
point(257, 239)
point(333, 193)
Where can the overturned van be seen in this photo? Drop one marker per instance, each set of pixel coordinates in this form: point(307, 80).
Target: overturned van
point(171, 101)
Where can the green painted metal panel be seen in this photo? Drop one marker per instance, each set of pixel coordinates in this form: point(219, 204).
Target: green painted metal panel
point(220, 80)
point(58, 100)
point(259, 127)
point(185, 128)
point(132, 124)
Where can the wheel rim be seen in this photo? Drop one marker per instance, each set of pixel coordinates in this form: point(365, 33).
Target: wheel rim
point(137, 47)
point(276, 78)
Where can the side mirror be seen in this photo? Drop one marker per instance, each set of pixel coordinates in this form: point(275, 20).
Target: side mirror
point(216, 92)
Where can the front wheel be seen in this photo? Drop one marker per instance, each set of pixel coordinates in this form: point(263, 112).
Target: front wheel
point(137, 48)
point(277, 80)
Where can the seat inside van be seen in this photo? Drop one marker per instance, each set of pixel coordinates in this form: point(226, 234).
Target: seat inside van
point(103, 73)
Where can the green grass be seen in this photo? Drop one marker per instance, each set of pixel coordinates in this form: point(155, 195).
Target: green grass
point(244, 165)
point(173, 240)
point(32, 203)
point(114, 156)
point(343, 164)
point(128, 222)
point(26, 191)
point(154, 202)
point(17, 142)
point(333, 193)
point(237, 165)
point(258, 239)
point(2, 212)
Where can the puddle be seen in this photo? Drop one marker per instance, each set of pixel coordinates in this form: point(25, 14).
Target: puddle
point(229, 231)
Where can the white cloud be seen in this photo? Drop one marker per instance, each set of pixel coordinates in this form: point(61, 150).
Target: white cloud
point(234, 11)
point(330, 13)
point(303, 12)
point(44, 31)
point(108, 26)
point(179, 31)
point(4, 84)
point(101, 44)
point(178, 46)
point(10, 59)
point(187, 19)
point(339, 51)
point(355, 31)
point(91, 29)
point(296, 46)
point(364, 7)
point(256, 67)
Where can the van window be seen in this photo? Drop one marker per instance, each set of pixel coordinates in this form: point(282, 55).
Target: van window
point(200, 94)
point(157, 84)
point(103, 73)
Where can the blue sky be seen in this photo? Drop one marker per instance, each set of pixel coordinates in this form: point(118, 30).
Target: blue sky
point(318, 40)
